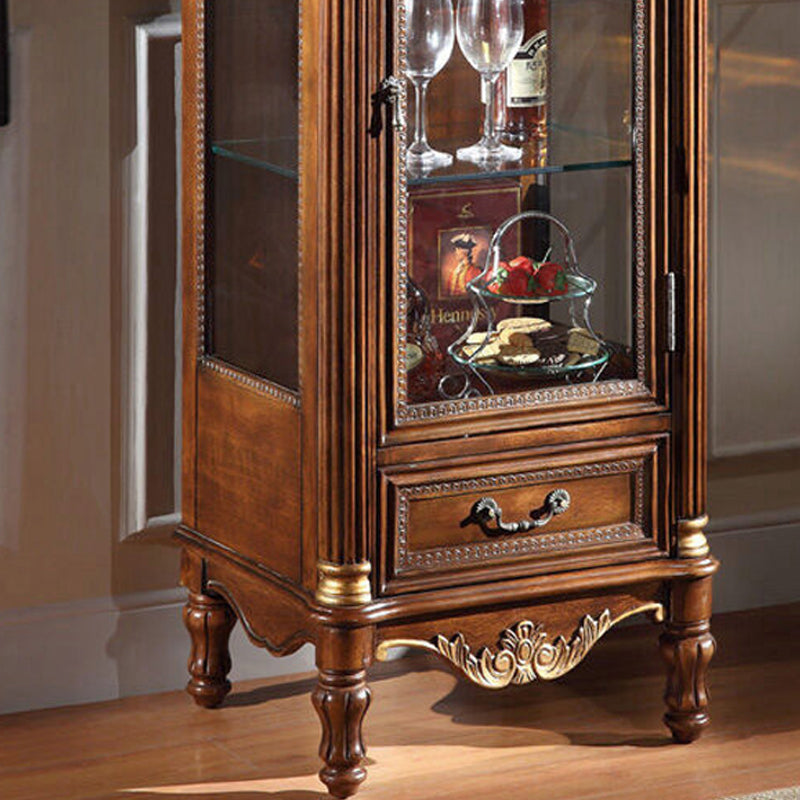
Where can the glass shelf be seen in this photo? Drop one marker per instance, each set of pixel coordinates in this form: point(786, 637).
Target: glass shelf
point(461, 172)
point(274, 155)
point(568, 150)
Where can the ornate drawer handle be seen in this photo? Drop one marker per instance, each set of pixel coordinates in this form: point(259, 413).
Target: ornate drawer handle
point(486, 511)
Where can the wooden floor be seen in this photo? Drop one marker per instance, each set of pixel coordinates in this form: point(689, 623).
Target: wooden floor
point(594, 734)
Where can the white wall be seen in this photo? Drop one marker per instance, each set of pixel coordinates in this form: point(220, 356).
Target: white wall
point(755, 206)
point(754, 292)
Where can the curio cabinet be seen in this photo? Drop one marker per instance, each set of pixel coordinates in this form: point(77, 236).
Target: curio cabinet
point(444, 340)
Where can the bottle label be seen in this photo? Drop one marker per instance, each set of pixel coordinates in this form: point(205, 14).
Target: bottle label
point(526, 76)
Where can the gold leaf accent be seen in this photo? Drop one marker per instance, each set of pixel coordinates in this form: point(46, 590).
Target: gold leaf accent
point(524, 652)
point(343, 584)
point(692, 542)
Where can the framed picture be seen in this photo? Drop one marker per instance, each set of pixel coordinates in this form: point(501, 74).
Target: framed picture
point(450, 233)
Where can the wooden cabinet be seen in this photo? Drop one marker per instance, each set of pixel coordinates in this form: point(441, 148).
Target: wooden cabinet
point(453, 402)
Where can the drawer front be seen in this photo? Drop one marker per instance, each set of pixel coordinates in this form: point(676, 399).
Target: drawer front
point(476, 521)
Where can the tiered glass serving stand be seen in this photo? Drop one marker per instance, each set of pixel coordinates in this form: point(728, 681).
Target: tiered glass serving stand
point(579, 293)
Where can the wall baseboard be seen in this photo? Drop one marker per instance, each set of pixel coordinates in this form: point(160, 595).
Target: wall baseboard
point(102, 649)
point(759, 554)
point(106, 648)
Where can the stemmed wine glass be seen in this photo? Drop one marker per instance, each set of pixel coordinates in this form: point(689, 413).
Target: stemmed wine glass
point(489, 34)
point(429, 45)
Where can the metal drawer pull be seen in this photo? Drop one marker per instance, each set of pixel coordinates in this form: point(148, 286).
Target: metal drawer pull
point(486, 511)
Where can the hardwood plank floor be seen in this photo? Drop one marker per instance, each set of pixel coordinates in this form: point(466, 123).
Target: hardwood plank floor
point(594, 734)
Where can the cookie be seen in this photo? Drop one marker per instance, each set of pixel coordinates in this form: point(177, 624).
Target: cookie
point(481, 354)
point(519, 357)
point(479, 338)
point(523, 324)
point(514, 338)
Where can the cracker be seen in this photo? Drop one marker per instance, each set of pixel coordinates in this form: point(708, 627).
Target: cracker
point(581, 341)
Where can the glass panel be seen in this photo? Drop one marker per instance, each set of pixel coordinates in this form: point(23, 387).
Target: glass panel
point(516, 167)
point(252, 295)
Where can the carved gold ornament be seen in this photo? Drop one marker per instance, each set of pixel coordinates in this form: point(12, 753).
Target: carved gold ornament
point(524, 653)
point(692, 542)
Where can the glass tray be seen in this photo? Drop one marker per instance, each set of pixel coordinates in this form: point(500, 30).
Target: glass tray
point(579, 286)
point(538, 370)
point(587, 362)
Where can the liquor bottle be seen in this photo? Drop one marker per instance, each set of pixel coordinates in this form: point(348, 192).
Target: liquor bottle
point(525, 82)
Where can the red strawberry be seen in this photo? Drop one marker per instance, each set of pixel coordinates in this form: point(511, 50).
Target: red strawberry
point(524, 262)
point(551, 279)
point(519, 282)
point(497, 276)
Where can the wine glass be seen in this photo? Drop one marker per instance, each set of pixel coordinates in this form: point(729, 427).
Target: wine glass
point(429, 45)
point(489, 34)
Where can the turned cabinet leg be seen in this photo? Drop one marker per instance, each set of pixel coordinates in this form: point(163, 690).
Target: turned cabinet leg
point(341, 699)
point(209, 620)
point(687, 647)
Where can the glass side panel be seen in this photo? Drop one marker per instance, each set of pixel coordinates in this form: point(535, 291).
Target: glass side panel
point(252, 274)
point(516, 164)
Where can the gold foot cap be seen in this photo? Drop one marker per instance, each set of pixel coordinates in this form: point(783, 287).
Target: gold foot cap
point(692, 542)
point(343, 584)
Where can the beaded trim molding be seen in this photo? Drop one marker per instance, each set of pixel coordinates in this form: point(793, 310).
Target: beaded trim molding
point(408, 559)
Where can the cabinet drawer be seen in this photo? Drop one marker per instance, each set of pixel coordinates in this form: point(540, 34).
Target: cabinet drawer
point(437, 535)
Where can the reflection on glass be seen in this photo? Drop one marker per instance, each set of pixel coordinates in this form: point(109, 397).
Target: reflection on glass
point(430, 43)
point(489, 34)
point(587, 181)
point(253, 265)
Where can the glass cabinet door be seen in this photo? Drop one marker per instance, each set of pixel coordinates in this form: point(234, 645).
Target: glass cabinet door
point(521, 258)
point(251, 292)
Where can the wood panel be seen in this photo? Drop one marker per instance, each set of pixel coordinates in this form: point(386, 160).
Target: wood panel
point(688, 248)
point(273, 613)
point(443, 603)
point(248, 472)
point(494, 446)
point(193, 238)
point(557, 618)
point(347, 195)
